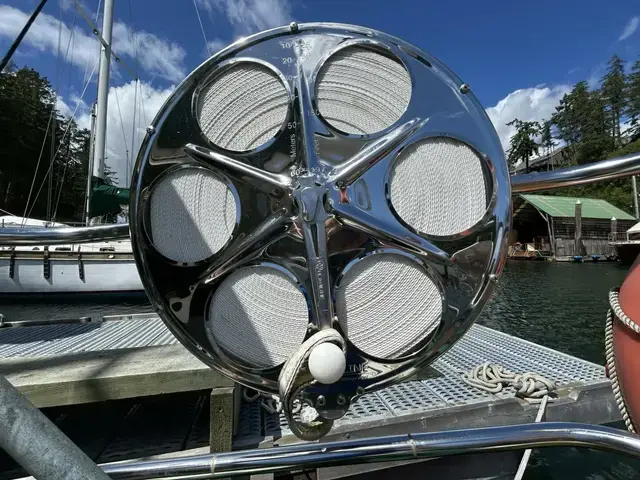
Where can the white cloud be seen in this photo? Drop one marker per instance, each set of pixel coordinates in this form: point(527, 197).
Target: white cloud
point(596, 74)
point(630, 28)
point(527, 104)
point(117, 148)
point(63, 108)
point(251, 16)
point(68, 4)
point(215, 45)
point(156, 55)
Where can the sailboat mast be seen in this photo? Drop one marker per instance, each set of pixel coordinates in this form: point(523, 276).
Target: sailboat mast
point(103, 90)
point(51, 160)
point(92, 139)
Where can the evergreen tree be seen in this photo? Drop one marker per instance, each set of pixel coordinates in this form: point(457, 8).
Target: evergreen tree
point(632, 110)
point(596, 141)
point(523, 144)
point(547, 141)
point(613, 95)
point(581, 121)
point(27, 104)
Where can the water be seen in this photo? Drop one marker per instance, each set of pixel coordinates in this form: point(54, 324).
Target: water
point(562, 306)
point(559, 305)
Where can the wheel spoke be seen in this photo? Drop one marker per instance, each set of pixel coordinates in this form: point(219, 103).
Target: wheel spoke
point(351, 169)
point(250, 246)
point(390, 230)
point(315, 240)
point(306, 122)
point(246, 172)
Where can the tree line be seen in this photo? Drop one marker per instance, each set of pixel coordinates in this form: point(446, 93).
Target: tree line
point(589, 125)
point(44, 156)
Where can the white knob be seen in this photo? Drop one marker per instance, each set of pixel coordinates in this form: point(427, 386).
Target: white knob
point(327, 363)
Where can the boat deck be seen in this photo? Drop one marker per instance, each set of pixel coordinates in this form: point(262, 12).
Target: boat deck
point(158, 393)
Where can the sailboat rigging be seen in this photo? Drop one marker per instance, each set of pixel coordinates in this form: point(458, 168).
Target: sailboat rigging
point(103, 267)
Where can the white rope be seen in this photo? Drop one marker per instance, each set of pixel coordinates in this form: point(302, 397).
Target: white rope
point(492, 378)
point(532, 387)
point(614, 302)
point(527, 453)
point(304, 421)
point(610, 354)
point(295, 376)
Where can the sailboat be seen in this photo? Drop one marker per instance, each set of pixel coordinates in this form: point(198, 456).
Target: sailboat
point(97, 267)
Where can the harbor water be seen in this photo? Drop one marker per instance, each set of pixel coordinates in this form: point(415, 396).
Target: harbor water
point(559, 305)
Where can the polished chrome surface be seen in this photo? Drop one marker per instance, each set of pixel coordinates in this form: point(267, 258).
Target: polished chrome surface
point(325, 205)
point(589, 173)
point(384, 449)
point(62, 235)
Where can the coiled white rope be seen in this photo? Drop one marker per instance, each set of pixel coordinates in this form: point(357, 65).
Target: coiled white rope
point(616, 311)
point(492, 378)
point(614, 302)
point(532, 387)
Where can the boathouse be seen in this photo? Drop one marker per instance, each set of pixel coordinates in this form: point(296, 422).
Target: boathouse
point(549, 222)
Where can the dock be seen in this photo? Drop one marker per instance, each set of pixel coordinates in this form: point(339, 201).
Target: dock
point(124, 388)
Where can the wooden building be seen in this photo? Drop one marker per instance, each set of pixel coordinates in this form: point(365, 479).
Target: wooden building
point(549, 224)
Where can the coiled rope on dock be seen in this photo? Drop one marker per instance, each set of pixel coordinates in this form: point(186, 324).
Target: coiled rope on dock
point(616, 312)
point(493, 378)
point(531, 387)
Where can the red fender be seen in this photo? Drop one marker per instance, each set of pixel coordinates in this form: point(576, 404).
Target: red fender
point(626, 344)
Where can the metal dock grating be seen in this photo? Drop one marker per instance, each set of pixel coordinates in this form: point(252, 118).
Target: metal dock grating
point(50, 340)
point(427, 398)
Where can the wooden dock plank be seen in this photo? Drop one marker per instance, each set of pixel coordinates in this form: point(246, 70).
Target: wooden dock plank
point(109, 375)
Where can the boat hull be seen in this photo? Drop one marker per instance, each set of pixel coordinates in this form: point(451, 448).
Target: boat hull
point(69, 275)
point(626, 345)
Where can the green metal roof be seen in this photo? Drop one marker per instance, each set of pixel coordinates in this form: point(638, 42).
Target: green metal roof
point(565, 207)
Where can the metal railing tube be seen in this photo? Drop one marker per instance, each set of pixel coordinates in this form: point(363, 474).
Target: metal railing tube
point(382, 449)
point(61, 235)
point(589, 173)
point(37, 444)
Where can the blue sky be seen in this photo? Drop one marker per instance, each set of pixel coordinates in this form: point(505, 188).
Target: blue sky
point(518, 57)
